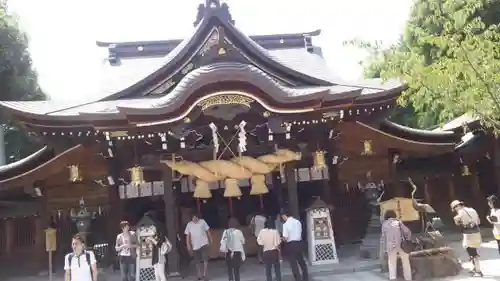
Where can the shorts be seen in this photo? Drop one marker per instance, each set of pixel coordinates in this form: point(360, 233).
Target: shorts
point(472, 252)
point(201, 255)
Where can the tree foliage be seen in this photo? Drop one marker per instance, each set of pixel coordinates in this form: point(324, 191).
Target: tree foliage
point(18, 81)
point(450, 56)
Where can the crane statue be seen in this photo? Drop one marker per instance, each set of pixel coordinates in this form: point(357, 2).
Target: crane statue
point(425, 211)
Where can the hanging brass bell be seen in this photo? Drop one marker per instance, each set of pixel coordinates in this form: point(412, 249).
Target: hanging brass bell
point(319, 160)
point(202, 191)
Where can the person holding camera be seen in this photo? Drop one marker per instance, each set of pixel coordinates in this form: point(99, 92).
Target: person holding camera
point(494, 216)
point(468, 220)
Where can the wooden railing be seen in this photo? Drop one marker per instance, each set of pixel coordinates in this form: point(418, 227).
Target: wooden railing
point(21, 248)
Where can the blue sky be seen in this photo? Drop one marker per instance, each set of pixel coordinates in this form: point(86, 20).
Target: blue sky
point(63, 33)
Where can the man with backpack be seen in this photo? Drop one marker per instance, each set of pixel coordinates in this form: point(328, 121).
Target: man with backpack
point(80, 265)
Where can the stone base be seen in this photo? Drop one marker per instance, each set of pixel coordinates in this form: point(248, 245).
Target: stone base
point(431, 263)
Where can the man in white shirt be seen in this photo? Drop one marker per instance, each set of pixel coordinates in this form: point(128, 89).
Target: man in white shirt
point(80, 265)
point(292, 234)
point(198, 239)
point(257, 224)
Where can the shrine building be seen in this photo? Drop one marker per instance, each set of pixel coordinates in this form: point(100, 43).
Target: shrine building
point(228, 125)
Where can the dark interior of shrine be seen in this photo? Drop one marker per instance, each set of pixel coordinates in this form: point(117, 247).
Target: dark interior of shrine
point(216, 210)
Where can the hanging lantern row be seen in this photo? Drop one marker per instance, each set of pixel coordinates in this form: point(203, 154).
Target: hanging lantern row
point(66, 213)
point(329, 116)
point(78, 134)
point(326, 117)
point(35, 215)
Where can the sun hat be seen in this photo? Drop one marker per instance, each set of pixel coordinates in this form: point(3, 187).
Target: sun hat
point(455, 203)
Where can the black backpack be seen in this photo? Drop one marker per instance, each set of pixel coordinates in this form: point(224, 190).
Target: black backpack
point(70, 258)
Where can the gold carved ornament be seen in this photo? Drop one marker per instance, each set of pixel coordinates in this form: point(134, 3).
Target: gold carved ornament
point(74, 173)
point(225, 99)
point(367, 148)
point(137, 176)
point(212, 41)
point(232, 171)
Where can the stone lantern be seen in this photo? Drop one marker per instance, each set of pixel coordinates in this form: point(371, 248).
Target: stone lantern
point(83, 218)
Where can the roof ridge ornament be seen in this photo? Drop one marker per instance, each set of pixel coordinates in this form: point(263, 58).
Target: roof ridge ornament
point(215, 7)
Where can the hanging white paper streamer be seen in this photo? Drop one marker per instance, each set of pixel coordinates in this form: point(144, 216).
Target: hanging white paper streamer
point(288, 128)
point(214, 137)
point(242, 137)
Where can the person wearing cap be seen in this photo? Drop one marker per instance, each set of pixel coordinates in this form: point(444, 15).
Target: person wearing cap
point(468, 219)
point(494, 217)
point(292, 234)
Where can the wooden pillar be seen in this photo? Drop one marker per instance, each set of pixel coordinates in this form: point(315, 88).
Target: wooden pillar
point(9, 236)
point(496, 162)
point(171, 220)
point(427, 192)
point(39, 241)
point(291, 183)
point(115, 212)
point(479, 198)
point(42, 223)
point(451, 189)
point(330, 179)
point(113, 217)
point(277, 189)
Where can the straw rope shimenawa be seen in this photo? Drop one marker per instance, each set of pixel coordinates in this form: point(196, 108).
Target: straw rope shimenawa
point(232, 171)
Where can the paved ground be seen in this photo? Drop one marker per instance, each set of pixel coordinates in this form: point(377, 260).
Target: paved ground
point(350, 268)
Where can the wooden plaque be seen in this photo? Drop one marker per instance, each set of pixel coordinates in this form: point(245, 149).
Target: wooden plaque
point(50, 240)
point(403, 208)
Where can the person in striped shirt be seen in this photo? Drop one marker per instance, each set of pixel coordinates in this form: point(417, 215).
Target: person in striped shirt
point(393, 233)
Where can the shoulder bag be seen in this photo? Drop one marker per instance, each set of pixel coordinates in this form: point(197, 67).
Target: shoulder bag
point(470, 228)
point(406, 244)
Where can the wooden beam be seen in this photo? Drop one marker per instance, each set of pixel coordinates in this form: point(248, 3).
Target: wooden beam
point(451, 189)
point(171, 220)
point(292, 187)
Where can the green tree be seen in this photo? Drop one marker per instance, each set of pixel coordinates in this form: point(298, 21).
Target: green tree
point(449, 56)
point(18, 81)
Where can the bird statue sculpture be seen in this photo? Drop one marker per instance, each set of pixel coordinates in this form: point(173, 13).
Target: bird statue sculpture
point(425, 210)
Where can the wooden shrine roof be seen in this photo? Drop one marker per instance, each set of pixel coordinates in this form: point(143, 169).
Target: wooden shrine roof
point(27, 171)
point(158, 80)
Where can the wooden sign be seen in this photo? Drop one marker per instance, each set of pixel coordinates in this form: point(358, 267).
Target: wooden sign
point(403, 208)
point(50, 240)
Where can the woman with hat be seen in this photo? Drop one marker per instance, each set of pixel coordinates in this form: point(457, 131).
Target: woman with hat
point(494, 217)
point(468, 219)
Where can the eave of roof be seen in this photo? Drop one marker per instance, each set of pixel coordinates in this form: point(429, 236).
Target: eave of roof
point(427, 136)
point(163, 47)
point(457, 123)
point(23, 162)
point(344, 96)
